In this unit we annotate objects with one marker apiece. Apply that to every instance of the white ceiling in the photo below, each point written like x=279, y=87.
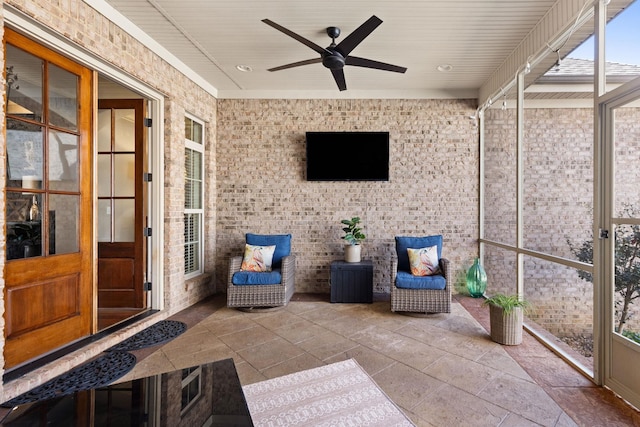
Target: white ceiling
x=212, y=37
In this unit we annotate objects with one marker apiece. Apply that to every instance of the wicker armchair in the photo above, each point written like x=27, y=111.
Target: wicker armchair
x=420, y=300
x=264, y=295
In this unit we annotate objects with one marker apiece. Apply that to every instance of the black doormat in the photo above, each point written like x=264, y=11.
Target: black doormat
x=158, y=333
x=98, y=373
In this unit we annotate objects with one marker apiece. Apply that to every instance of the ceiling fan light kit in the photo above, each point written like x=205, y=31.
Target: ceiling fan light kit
x=336, y=56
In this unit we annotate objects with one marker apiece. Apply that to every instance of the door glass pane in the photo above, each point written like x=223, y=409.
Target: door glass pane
x=24, y=84
x=24, y=221
x=20, y=206
x=124, y=175
x=124, y=223
x=124, y=129
x=104, y=220
x=64, y=223
x=63, y=98
x=104, y=175
x=104, y=130
x=63, y=161
x=24, y=155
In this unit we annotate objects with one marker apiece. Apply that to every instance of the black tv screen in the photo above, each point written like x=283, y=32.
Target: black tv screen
x=347, y=156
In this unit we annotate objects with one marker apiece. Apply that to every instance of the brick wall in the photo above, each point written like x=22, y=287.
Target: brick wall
x=433, y=185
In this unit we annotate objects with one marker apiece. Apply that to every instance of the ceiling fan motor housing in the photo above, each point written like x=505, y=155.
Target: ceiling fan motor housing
x=333, y=61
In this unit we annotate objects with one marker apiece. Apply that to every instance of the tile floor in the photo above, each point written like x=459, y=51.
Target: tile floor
x=441, y=369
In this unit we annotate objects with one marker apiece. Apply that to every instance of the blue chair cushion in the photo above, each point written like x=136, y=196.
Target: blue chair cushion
x=402, y=243
x=406, y=280
x=282, y=242
x=272, y=277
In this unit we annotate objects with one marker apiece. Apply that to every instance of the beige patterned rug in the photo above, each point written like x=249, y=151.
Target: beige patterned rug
x=340, y=394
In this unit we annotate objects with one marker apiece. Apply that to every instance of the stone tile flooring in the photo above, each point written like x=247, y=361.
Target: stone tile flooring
x=441, y=369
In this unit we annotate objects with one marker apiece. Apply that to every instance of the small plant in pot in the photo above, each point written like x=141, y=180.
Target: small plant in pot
x=506, y=315
x=353, y=235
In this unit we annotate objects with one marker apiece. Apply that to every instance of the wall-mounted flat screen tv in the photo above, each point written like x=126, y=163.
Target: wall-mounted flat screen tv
x=347, y=156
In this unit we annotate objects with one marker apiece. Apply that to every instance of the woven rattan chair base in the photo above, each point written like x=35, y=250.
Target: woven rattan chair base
x=421, y=300
x=254, y=297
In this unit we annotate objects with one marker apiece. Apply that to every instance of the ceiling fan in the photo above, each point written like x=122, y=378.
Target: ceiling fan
x=335, y=57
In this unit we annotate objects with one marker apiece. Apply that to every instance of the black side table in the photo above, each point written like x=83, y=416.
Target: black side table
x=352, y=281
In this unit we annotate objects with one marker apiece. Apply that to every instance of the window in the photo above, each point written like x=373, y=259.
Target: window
x=193, y=196
x=191, y=387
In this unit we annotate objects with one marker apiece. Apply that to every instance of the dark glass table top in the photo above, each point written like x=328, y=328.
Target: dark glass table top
x=204, y=395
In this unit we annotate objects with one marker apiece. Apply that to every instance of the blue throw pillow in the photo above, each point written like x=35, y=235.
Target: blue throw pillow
x=282, y=242
x=405, y=242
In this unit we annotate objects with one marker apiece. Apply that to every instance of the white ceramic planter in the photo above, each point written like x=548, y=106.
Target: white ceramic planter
x=352, y=253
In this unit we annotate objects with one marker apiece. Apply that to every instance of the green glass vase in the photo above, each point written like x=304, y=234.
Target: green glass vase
x=476, y=279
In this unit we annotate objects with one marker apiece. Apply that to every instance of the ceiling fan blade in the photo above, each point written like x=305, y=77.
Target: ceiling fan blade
x=368, y=63
x=301, y=39
x=359, y=34
x=296, y=64
x=338, y=76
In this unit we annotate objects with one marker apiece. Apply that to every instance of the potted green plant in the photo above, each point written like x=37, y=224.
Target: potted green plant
x=353, y=235
x=506, y=314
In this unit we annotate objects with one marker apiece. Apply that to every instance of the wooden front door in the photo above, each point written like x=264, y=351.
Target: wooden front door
x=48, y=204
x=121, y=239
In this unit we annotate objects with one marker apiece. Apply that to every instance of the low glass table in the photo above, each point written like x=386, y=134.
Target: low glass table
x=204, y=395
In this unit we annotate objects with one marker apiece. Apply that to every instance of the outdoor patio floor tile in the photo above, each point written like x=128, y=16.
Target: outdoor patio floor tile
x=370, y=360
x=441, y=369
x=295, y=364
x=327, y=345
x=185, y=358
x=270, y=353
x=407, y=386
x=498, y=359
x=522, y=397
x=465, y=374
x=247, y=338
x=451, y=406
x=300, y=331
